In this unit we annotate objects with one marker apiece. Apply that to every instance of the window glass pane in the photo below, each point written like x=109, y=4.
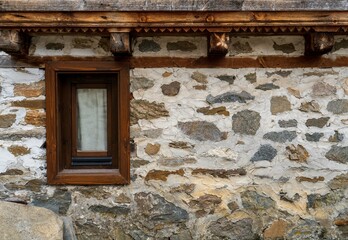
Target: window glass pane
x=91, y=119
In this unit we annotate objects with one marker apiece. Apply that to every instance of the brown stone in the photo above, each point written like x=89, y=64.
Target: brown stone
x=162, y=175
x=297, y=153
x=280, y=104
x=17, y=150
x=312, y=180
x=339, y=182
x=323, y=89
x=221, y=173
x=207, y=203
x=12, y=172
x=30, y=90
x=33, y=104
x=317, y=122
x=181, y=145
x=311, y=106
x=142, y=109
x=186, y=188
x=218, y=110
x=171, y=89
x=34, y=185
x=123, y=198
x=200, y=87
x=7, y=120
x=276, y=231
x=294, y=92
x=36, y=118
x=152, y=149
x=199, y=77
x=167, y=74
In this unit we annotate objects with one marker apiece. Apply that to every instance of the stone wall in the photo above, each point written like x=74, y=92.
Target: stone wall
x=216, y=153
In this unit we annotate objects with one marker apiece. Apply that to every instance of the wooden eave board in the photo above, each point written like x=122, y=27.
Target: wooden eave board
x=173, y=5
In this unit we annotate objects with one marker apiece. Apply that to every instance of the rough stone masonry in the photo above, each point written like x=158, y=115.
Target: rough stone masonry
x=218, y=153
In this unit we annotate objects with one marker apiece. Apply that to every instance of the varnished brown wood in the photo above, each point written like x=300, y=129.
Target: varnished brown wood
x=317, y=44
x=172, y=22
x=218, y=44
x=202, y=62
x=58, y=170
x=120, y=43
x=13, y=42
x=172, y=5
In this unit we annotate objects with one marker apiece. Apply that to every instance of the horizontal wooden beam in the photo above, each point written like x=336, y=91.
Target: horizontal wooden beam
x=173, y=22
x=203, y=62
x=172, y=5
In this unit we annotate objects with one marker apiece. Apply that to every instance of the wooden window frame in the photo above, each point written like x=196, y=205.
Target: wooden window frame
x=57, y=172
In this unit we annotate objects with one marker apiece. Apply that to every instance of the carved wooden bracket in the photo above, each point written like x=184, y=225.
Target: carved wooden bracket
x=218, y=44
x=14, y=42
x=318, y=43
x=120, y=43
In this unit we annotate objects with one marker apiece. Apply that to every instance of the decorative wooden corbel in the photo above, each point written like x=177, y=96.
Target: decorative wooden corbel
x=318, y=43
x=218, y=44
x=14, y=42
x=120, y=42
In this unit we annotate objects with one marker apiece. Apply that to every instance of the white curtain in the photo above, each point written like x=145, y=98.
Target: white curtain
x=92, y=119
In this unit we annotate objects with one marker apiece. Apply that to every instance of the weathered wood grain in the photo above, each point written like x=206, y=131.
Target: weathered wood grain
x=13, y=42
x=172, y=5
x=120, y=44
x=218, y=44
x=202, y=62
x=318, y=43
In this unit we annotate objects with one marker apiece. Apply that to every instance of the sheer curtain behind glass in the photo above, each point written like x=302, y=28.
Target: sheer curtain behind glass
x=91, y=119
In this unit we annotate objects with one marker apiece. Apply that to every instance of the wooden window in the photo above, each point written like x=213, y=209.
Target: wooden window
x=87, y=106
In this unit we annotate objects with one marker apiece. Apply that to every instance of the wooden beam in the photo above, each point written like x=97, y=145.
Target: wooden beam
x=120, y=43
x=202, y=62
x=172, y=5
x=317, y=44
x=13, y=42
x=173, y=22
x=218, y=44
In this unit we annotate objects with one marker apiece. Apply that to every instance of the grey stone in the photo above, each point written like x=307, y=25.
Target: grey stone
x=254, y=201
x=82, y=43
x=279, y=73
x=230, y=97
x=183, y=235
x=280, y=104
x=171, y=89
x=221, y=173
x=199, y=77
x=322, y=89
x=55, y=46
x=339, y=182
x=115, y=210
x=337, y=137
x=251, y=77
x=317, y=122
x=338, y=154
x=227, y=78
x=142, y=109
x=304, y=230
x=19, y=221
x=281, y=137
x=315, y=137
x=285, y=48
x=311, y=106
x=267, y=86
x=69, y=231
x=246, y=122
x=184, y=46
x=224, y=228
x=242, y=47
x=339, y=45
x=338, y=106
x=141, y=83
x=287, y=123
x=155, y=208
x=152, y=133
x=21, y=134
x=7, y=120
x=201, y=131
x=149, y=46
x=58, y=203
x=266, y=152
x=319, y=201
